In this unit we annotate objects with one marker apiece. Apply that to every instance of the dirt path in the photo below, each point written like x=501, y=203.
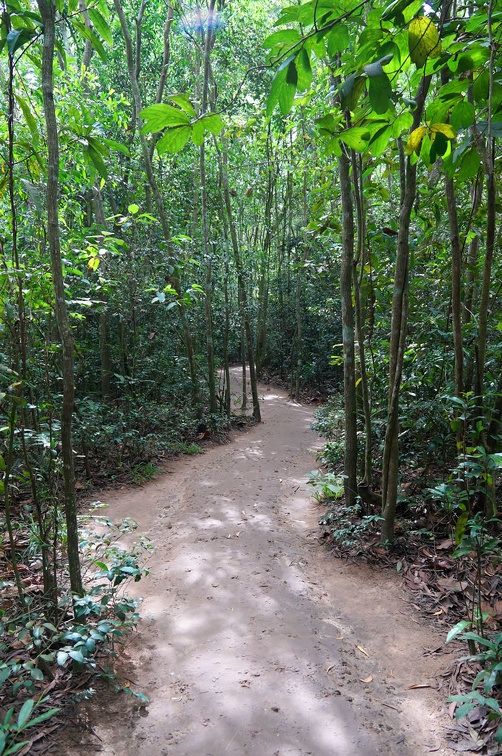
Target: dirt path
x=254, y=640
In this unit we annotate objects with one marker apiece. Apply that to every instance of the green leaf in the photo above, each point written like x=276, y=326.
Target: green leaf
x=351, y=90
x=423, y=40
x=77, y=656
x=94, y=151
x=457, y=629
x=375, y=69
x=62, y=658
x=380, y=140
x=92, y=37
x=25, y=713
x=401, y=124
x=380, y=91
x=101, y=25
x=283, y=38
x=198, y=132
x=28, y=117
x=132, y=210
x=338, y=39
x=16, y=38
x=283, y=87
x=43, y=717
x=461, y=526
x=184, y=103
x=357, y=138
x=174, y=140
x=481, y=87
x=158, y=117
x=304, y=70
x=212, y=122
x=113, y=145
x=462, y=115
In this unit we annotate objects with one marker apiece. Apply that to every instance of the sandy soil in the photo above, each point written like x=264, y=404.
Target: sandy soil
x=254, y=639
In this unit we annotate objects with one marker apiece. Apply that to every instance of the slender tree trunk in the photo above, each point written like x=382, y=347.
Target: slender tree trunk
x=209, y=41
x=399, y=321
x=241, y=284
x=349, y=364
x=47, y=11
x=359, y=314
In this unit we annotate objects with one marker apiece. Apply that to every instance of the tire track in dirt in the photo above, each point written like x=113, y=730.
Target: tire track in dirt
x=254, y=640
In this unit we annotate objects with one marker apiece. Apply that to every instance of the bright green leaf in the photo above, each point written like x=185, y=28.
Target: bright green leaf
x=212, y=122
x=160, y=116
x=198, y=132
x=357, y=138
x=304, y=70
x=338, y=39
x=284, y=38
x=184, y=103
x=101, y=25
x=174, y=139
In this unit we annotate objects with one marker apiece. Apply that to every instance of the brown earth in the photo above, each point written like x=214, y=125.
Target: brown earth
x=254, y=639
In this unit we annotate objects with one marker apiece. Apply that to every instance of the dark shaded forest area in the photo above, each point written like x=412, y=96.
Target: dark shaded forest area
x=310, y=189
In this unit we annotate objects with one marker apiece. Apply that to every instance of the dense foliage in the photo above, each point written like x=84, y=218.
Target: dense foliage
x=310, y=189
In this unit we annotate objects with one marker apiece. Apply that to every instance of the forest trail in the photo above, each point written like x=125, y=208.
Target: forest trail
x=254, y=640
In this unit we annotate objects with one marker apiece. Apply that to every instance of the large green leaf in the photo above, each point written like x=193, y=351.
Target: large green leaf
x=101, y=25
x=380, y=91
x=92, y=37
x=212, y=122
x=113, y=145
x=158, y=117
x=338, y=39
x=16, y=38
x=183, y=101
x=304, y=70
x=357, y=138
x=174, y=139
x=283, y=38
x=351, y=90
x=283, y=88
x=380, y=140
x=28, y=117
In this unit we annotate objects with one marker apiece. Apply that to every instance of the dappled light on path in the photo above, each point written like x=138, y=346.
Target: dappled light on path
x=248, y=643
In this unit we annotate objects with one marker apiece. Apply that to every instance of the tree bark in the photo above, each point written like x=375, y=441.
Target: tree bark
x=399, y=321
x=47, y=11
x=348, y=337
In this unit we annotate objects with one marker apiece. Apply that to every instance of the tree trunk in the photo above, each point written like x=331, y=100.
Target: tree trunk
x=399, y=319
x=349, y=365
x=47, y=12
x=241, y=285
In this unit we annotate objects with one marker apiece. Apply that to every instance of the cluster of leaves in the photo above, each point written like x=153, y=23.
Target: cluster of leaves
x=39, y=653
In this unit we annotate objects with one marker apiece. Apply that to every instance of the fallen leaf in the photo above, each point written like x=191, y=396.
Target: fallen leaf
x=361, y=649
x=330, y=668
x=418, y=685
x=238, y=534
x=367, y=679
